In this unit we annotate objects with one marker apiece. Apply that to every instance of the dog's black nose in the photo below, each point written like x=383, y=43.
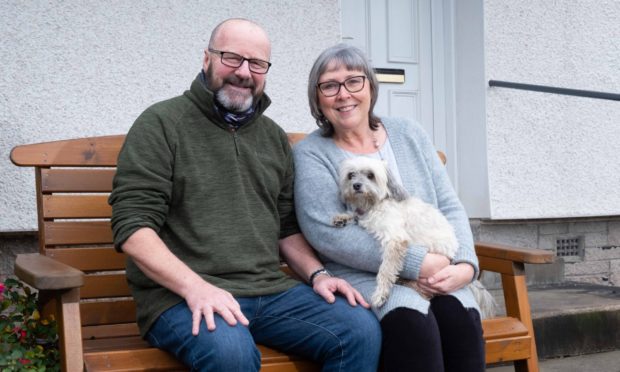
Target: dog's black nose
x=357, y=186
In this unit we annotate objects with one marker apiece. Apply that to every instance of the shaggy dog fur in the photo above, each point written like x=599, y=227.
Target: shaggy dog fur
x=381, y=206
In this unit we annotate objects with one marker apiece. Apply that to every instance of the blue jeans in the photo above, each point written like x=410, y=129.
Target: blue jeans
x=298, y=321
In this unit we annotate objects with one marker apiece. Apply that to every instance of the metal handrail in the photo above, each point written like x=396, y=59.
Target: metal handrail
x=556, y=90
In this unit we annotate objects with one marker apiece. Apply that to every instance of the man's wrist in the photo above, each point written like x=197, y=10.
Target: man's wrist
x=315, y=274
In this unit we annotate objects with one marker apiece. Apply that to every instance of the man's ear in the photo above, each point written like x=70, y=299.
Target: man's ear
x=206, y=60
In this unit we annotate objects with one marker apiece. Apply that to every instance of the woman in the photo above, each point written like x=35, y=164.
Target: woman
x=441, y=334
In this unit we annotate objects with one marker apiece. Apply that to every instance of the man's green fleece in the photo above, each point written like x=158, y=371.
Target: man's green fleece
x=219, y=199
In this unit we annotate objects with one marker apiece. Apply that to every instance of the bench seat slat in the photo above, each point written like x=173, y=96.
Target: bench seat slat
x=141, y=357
x=297, y=365
x=501, y=350
x=502, y=327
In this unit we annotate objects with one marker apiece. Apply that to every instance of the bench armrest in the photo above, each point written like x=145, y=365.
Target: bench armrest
x=515, y=254
x=61, y=284
x=45, y=273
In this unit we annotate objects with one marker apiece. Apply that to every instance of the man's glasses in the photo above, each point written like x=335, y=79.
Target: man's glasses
x=231, y=59
x=352, y=84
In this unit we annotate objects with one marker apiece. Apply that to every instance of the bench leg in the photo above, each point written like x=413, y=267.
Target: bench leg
x=65, y=305
x=518, y=306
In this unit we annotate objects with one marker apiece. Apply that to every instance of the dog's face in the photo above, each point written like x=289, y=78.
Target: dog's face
x=363, y=182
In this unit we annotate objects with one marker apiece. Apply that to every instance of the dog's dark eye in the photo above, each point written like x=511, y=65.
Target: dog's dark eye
x=350, y=175
x=371, y=176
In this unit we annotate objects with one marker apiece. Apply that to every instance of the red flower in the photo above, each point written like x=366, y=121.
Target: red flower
x=21, y=334
x=24, y=361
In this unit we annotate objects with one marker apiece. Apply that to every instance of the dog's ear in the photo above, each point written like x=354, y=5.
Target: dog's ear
x=397, y=192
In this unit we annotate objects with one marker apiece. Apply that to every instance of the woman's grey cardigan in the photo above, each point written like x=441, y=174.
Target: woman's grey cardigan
x=350, y=252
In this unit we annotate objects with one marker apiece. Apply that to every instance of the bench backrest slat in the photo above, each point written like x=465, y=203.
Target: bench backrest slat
x=101, y=313
x=80, y=152
x=107, y=331
x=89, y=259
x=78, y=232
x=77, y=180
x=76, y=206
x=105, y=286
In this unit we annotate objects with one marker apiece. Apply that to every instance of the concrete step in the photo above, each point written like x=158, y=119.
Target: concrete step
x=573, y=318
x=608, y=361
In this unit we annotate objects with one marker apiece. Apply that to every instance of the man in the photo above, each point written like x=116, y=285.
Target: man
x=202, y=201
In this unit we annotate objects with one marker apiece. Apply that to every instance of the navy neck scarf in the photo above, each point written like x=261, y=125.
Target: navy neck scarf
x=234, y=119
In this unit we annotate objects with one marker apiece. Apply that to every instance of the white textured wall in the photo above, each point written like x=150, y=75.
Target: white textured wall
x=552, y=155
x=85, y=68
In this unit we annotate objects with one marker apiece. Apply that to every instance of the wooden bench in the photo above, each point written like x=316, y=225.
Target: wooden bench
x=82, y=282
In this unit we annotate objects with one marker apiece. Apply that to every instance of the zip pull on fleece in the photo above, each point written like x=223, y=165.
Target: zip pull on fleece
x=235, y=137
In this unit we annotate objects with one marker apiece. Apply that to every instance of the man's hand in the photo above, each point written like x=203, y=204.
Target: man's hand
x=448, y=279
x=156, y=261
x=326, y=286
x=205, y=300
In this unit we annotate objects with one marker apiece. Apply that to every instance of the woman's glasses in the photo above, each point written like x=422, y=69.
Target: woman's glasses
x=352, y=85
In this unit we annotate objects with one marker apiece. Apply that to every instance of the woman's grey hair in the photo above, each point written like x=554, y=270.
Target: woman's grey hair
x=351, y=58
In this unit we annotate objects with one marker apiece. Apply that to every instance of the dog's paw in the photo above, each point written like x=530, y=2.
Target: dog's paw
x=378, y=299
x=341, y=220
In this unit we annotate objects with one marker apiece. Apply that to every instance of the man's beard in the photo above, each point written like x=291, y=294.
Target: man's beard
x=233, y=101
x=230, y=98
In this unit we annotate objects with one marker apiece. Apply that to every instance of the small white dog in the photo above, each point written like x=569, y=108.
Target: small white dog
x=381, y=206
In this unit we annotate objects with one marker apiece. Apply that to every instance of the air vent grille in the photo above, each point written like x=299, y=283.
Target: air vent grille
x=569, y=247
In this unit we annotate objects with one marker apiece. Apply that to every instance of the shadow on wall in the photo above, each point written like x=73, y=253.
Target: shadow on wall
x=12, y=244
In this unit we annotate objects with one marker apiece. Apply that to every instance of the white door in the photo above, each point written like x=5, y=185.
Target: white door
x=396, y=36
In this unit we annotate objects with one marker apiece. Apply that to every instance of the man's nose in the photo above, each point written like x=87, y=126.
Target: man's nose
x=244, y=69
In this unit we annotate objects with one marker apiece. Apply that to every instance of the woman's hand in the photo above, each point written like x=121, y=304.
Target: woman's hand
x=328, y=286
x=447, y=280
x=432, y=264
